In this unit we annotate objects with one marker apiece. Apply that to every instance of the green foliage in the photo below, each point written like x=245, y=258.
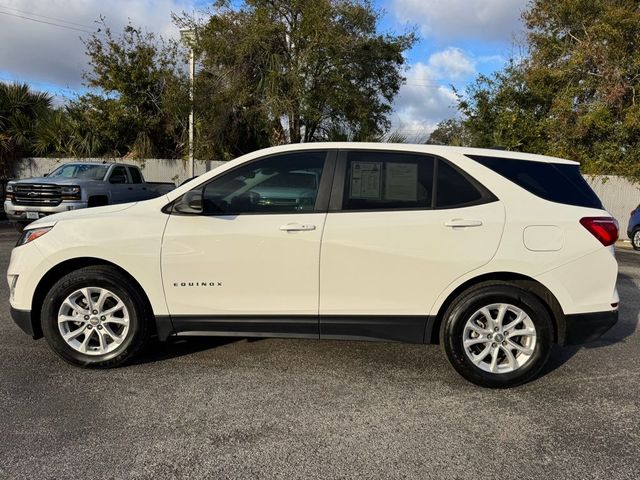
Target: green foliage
x=451, y=132
x=277, y=71
x=575, y=94
x=139, y=103
x=21, y=112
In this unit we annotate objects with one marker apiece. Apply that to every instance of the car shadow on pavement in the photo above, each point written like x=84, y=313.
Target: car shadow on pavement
x=626, y=327
x=157, y=351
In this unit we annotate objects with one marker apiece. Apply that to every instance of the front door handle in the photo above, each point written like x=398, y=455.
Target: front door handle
x=462, y=222
x=297, y=227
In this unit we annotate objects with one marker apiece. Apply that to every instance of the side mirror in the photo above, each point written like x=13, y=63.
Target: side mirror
x=46, y=175
x=191, y=202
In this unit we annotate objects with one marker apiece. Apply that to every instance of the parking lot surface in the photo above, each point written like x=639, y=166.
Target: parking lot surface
x=225, y=408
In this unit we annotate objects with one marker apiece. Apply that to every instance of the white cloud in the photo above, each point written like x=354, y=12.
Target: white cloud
x=422, y=103
x=452, y=64
x=462, y=19
x=427, y=98
x=46, y=54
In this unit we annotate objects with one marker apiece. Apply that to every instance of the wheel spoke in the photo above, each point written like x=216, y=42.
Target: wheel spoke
x=73, y=305
x=87, y=296
x=75, y=333
x=511, y=359
x=104, y=294
x=487, y=314
x=478, y=329
x=482, y=355
x=117, y=320
x=522, y=333
x=116, y=338
x=515, y=322
x=112, y=310
x=474, y=341
x=520, y=348
x=102, y=339
x=70, y=318
x=494, y=359
x=85, y=342
x=500, y=317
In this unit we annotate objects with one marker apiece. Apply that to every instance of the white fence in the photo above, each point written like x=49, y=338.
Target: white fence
x=618, y=194
x=153, y=169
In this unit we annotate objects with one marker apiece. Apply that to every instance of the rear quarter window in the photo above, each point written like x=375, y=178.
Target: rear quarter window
x=556, y=182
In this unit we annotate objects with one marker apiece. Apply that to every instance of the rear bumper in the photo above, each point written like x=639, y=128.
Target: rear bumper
x=23, y=320
x=587, y=327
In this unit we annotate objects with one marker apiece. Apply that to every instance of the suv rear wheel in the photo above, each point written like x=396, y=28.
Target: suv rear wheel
x=91, y=317
x=497, y=335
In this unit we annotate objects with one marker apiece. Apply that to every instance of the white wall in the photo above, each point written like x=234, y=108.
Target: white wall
x=619, y=195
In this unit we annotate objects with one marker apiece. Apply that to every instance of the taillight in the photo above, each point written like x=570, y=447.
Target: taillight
x=604, y=229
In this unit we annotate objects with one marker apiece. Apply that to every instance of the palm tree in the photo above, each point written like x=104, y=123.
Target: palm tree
x=20, y=111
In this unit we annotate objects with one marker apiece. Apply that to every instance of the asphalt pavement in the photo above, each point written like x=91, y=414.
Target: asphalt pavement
x=222, y=408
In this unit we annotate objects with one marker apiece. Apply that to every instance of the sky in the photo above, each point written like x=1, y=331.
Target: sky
x=458, y=40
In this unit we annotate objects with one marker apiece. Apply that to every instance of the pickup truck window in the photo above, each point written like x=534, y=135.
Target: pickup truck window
x=118, y=175
x=71, y=170
x=136, y=177
x=280, y=184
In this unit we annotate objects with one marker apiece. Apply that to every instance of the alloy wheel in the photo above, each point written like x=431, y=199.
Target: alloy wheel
x=93, y=321
x=499, y=338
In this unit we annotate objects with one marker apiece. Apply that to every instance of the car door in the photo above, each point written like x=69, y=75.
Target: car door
x=400, y=228
x=120, y=185
x=241, y=252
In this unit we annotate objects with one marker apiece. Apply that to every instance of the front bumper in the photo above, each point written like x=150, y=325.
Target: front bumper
x=587, y=327
x=24, y=321
x=18, y=213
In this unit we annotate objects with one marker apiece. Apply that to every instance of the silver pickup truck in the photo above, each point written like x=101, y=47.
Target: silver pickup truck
x=77, y=185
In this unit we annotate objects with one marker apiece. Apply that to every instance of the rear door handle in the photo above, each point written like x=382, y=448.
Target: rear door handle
x=296, y=227
x=461, y=222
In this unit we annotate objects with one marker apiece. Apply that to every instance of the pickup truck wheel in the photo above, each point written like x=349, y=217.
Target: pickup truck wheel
x=497, y=335
x=92, y=318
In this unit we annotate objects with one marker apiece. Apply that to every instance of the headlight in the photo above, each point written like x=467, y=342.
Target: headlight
x=70, y=192
x=31, y=234
x=9, y=189
x=8, y=192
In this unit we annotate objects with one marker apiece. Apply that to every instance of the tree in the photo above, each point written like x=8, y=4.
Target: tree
x=277, y=71
x=450, y=132
x=575, y=94
x=139, y=103
x=21, y=110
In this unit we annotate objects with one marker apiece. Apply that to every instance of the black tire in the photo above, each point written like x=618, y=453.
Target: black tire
x=109, y=278
x=97, y=201
x=481, y=295
x=635, y=239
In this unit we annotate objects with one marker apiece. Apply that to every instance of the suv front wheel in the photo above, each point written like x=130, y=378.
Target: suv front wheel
x=497, y=335
x=92, y=317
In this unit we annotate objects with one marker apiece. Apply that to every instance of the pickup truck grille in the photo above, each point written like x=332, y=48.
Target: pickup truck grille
x=36, y=195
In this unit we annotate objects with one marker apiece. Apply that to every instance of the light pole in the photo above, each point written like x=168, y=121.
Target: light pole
x=188, y=36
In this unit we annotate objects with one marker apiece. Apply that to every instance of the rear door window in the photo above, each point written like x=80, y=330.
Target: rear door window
x=387, y=180
x=136, y=177
x=556, y=182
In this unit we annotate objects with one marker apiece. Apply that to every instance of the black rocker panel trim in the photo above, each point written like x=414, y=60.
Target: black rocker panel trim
x=397, y=328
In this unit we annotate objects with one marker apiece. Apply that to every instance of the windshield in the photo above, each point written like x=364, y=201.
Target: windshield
x=74, y=170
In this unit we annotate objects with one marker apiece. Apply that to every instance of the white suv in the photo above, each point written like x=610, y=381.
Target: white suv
x=495, y=255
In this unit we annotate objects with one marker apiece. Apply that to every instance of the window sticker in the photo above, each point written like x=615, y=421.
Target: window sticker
x=365, y=180
x=401, y=182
